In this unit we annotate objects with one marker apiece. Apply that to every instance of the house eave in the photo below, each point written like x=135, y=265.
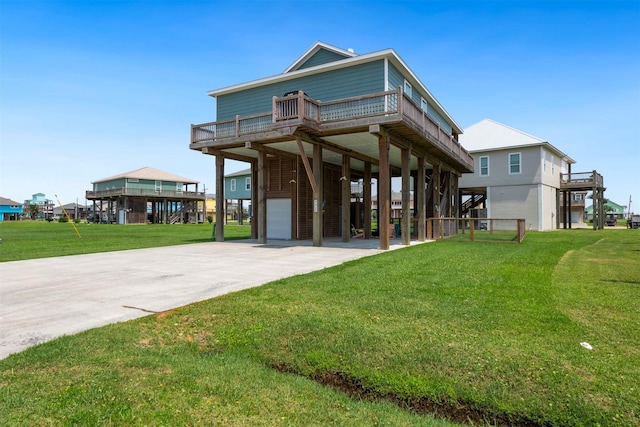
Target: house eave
x=516, y=147
x=313, y=50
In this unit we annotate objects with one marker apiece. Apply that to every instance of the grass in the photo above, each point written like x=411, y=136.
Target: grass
x=475, y=331
x=41, y=239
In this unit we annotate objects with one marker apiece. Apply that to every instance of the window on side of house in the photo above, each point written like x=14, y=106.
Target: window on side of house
x=232, y=184
x=424, y=104
x=178, y=187
x=553, y=166
x=247, y=183
x=408, y=89
x=514, y=163
x=158, y=186
x=484, y=166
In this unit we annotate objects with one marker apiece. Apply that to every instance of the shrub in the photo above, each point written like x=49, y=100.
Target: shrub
x=63, y=219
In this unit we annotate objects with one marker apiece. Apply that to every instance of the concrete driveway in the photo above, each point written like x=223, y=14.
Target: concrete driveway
x=46, y=298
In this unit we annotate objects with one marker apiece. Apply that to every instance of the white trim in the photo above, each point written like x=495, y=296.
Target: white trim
x=232, y=184
x=407, y=84
x=519, y=163
x=480, y=166
x=386, y=75
x=386, y=83
x=488, y=202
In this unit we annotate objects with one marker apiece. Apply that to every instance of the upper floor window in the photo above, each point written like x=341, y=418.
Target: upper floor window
x=514, y=163
x=247, y=183
x=178, y=187
x=408, y=89
x=232, y=184
x=578, y=196
x=424, y=105
x=484, y=166
x=553, y=167
x=158, y=185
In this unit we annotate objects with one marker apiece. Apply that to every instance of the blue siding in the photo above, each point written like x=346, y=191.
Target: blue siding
x=144, y=184
x=241, y=191
x=396, y=79
x=335, y=84
x=116, y=183
x=323, y=56
x=9, y=210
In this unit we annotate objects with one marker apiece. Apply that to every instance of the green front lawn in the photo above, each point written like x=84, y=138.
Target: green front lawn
x=473, y=331
x=41, y=239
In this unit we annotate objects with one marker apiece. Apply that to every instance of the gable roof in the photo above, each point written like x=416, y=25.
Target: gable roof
x=239, y=173
x=8, y=202
x=150, y=174
x=488, y=135
x=315, y=48
x=294, y=71
x=617, y=209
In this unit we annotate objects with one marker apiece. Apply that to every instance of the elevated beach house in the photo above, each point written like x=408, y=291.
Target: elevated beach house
x=334, y=117
x=237, y=190
x=147, y=195
x=10, y=210
x=518, y=175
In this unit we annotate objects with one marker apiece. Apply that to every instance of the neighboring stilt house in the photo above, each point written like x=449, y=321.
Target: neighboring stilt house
x=332, y=118
x=146, y=195
x=522, y=176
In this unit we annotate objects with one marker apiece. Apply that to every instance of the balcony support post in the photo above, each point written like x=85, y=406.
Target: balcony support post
x=366, y=198
x=406, y=196
x=317, y=195
x=384, y=196
x=420, y=199
x=262, y=198
x=220, y=213
x=346, y=197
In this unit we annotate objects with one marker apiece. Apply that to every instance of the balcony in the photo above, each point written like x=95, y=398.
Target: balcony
x=139, y=192
x=584, y=181
x=392, y=109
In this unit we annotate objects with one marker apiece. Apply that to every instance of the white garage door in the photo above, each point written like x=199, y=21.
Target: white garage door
x=279, y=219
x=575, y=217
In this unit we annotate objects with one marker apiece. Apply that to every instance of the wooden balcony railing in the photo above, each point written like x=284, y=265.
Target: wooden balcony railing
x=302, y=108
x=577, y=180
x=123, y=191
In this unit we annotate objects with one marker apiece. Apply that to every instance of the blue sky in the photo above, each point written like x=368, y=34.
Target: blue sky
x=89, y=89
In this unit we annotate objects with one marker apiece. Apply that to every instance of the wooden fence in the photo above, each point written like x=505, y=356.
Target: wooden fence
x=477, y=229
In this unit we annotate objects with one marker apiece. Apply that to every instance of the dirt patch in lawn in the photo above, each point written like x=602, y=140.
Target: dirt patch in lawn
x=457, y=412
